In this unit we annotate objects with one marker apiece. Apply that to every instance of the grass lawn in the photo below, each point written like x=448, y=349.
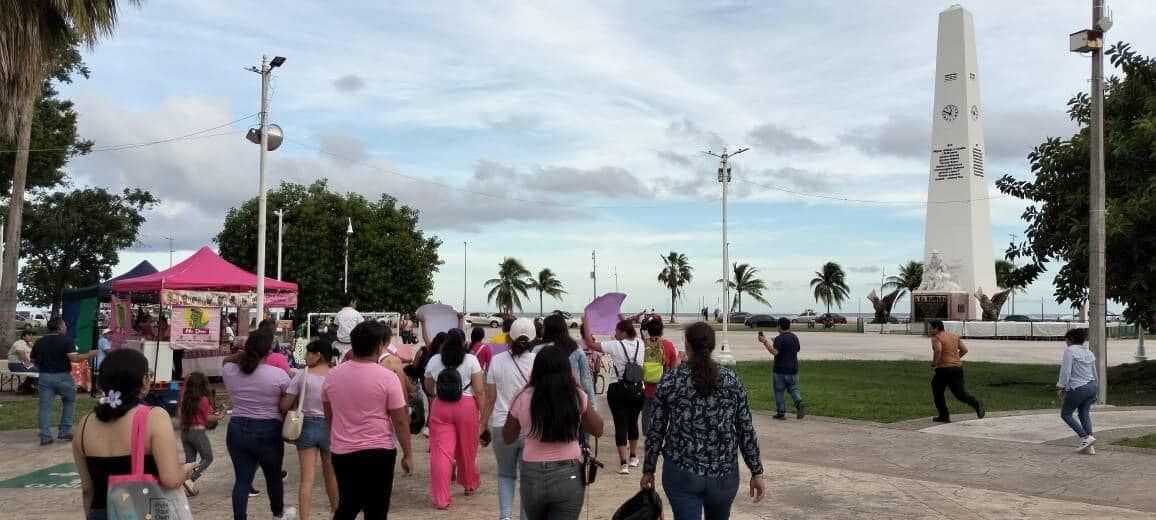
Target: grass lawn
x=21, y=414
x=890, y=391
x=1147, y=441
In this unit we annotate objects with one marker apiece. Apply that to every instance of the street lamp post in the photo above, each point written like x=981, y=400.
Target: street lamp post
x=465, y=273
x=266, y=69
x=594, y=272
x=170, y=239
x=724, y=176
x=280, y=231
x=348, y=233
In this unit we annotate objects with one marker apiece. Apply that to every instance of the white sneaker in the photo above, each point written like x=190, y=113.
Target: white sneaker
x=633, y=461
x=624, y=470
x=1086, y=443
x=191, y=488
x=290, y=513
x=1090, y=451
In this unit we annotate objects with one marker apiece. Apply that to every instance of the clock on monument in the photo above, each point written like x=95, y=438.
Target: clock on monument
x=950, y=112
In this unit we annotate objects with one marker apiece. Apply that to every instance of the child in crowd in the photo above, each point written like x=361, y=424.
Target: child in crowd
x=196, y=414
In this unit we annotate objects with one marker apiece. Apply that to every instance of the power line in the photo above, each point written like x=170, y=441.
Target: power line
x=128, y=146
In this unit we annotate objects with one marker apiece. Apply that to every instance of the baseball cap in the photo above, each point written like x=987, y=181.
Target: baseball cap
x=523, y=327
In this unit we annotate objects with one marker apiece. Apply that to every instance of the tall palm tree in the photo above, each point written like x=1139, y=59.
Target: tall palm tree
x=1004, y=276
x=546, y=283
x=512, y=281
x=676, y=272
x=31, y=33
x=909, y=279
x=743, y=281
x=830, y=285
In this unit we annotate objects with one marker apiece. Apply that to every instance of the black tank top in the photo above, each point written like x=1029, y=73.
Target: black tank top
x=100, y=468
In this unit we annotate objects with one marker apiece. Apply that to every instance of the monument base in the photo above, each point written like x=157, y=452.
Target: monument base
x=940, y=305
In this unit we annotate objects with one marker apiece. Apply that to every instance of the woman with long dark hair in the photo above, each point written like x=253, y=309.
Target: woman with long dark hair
x=479, y=348
x=509, y=374
x=625, y=394
x=555, y=331
x=549, y=412
x=254, y=434
x=454, y=378
x=104, y=446
x=701, y=421
x=314, y=438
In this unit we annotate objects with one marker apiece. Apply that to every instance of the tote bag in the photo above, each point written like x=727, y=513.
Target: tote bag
x=295, y=419
x=139, y=495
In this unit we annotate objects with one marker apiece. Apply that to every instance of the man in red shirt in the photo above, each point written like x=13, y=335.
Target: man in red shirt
x=669, y=361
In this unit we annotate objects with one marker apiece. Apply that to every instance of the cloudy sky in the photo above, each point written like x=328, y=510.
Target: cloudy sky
x=545, y=130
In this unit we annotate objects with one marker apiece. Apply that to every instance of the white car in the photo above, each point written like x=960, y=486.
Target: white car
x=807, y=316
x=483, y=319
x=1110, y=317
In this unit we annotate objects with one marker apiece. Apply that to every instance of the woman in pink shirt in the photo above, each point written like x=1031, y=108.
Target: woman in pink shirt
x=550, y=411
x=365, y=408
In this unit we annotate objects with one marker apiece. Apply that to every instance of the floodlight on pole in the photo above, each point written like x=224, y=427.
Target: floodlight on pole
x=724, y=176
x=264, y=137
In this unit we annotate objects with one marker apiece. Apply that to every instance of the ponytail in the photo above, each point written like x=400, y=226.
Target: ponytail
x=257, y=347
x=704, y=372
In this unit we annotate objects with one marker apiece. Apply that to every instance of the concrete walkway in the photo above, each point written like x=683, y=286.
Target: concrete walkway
x=1040, y=428
x=817, y=468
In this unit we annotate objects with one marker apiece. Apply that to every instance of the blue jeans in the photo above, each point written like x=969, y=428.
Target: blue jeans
x=552, y=490
x=508, y=457
x=52, y=385
x=786, y=383
x=691, y=495
x=1079, y=399
x=254, y=443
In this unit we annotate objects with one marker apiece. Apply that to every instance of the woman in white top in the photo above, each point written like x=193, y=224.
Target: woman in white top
x=1077, y=387
x=314, y=438
x=623, y=396
x=509, y=373
x=454, y=378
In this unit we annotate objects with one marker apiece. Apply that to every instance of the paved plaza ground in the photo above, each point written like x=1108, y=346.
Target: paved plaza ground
x=1010, y=465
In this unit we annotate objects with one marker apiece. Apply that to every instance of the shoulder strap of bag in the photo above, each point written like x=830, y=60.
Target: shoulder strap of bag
x=304, y=383
x=140, y=423
x=520, y=372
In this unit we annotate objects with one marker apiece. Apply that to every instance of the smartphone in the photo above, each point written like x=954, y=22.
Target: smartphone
x=760, y=333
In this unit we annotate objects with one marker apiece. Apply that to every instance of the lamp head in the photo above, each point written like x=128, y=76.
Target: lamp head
x=277, y=62
x=276, y=137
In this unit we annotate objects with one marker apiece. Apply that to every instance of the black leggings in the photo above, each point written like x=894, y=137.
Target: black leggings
x=625, y=409
x=364, y=483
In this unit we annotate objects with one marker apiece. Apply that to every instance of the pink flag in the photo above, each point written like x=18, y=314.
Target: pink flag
x=602, y=313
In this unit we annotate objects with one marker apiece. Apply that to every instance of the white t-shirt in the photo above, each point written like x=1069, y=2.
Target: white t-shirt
x=621, y=352
x=346, y=319
x=467, y=369
x=509, y=375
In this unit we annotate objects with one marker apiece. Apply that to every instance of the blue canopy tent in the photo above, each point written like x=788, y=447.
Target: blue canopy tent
x=80, y=306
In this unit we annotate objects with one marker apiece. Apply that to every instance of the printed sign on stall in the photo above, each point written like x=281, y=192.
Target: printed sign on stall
x=195, y=328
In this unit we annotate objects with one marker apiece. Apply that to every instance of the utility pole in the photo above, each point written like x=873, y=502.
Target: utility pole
x=465, y=273
x=280, y=232
x=265, y=71
x=348, y=233
x=594, y=273
x=724, y=176
x=170, y=239
x=615, y=278
x=1092, y=40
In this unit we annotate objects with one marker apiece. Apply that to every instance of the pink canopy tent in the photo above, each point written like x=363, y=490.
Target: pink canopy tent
x=206, y=271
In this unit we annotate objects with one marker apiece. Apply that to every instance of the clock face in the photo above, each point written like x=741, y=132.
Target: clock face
x=974, y=113
x=950, y=112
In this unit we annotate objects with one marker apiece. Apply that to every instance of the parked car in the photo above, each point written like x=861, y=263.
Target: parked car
x=807, y=316
x=735, y=317
x=483, y=319
x=19, y=323
x=1018, y=317
x=830, y=319
x=1076, y=317
x=761, y=320
x=38, y=319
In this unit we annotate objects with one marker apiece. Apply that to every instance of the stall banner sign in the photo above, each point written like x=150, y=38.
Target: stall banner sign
x=226, y=299
x=195, y=328
x=120, y=315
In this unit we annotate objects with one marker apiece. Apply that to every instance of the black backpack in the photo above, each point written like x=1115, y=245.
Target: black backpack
x=449, y=385
x=631, y=376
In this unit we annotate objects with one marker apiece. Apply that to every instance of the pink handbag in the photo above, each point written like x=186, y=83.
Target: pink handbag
x=138, y=495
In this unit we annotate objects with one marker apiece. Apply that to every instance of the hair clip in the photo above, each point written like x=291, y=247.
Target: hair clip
x=112, y=399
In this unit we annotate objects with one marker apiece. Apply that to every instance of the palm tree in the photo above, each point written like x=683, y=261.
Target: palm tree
x=675, y=274
x=512, y=281
x=744, y=281
x=909, y=279
x=546, y=283
x=1005, y=272
x=830, y=285
x=31, y=33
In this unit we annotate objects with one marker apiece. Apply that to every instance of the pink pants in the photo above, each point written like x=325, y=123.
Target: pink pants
x=453, y=438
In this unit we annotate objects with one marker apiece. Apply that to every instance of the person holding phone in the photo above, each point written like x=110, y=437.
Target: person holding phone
x=785, y=349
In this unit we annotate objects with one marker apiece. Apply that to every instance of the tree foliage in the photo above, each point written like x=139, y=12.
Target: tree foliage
x=676, y=272
x=511, y=285
x=830, y=285
x=547, y=283
x=391, y=262
x=71, y=239
x=745, y=281
x=1057, y=215
x=909, y=278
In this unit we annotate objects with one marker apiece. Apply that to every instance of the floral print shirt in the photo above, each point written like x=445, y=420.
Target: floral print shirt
x=702, y=435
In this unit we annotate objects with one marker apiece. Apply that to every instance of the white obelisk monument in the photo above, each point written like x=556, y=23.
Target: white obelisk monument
x=958, y=212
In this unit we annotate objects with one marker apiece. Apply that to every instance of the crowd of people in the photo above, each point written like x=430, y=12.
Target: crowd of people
x=529, y=397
